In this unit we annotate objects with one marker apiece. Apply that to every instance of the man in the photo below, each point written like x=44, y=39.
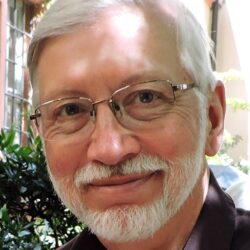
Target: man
x=128, y=107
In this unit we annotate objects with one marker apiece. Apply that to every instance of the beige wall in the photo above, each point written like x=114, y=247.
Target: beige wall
x=230, y=57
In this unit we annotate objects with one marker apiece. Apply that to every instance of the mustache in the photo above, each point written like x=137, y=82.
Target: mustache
x=142, y=163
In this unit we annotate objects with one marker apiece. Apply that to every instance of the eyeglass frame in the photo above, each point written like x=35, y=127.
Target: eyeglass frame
x=175, y=87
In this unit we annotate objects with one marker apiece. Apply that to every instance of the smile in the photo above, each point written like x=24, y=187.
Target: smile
x=127, y=180
x=118, y=190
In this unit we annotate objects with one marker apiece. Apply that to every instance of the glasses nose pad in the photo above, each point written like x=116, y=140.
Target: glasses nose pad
x=93, y=113
x=116, y=109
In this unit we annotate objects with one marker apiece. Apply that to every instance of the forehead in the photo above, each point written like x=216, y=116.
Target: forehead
x=123, y=42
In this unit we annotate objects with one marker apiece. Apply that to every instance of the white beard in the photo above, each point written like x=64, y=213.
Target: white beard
x=133, y=222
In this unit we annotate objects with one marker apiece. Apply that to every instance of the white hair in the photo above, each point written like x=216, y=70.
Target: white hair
x=193, y=44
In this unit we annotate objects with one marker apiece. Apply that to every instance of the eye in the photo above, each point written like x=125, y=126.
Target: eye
x=68, y=110
x=146, y=97
x=71, y=109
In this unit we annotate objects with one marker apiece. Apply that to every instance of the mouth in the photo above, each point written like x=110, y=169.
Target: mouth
x=120, y=180
x=126, y=189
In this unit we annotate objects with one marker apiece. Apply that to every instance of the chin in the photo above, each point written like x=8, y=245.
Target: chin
x=133, y=222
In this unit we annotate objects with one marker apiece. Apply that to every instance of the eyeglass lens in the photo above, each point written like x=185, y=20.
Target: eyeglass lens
x=134, y=106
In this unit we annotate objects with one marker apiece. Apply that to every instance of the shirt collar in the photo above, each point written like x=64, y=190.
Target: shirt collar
x=215, y=225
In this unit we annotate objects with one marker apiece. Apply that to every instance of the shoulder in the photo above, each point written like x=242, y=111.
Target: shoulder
x=242, y=222
x=70, y=244
x=241, y=237
x=240, y=193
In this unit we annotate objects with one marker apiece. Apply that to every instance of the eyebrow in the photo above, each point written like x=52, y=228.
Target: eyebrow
x=141, y=77
x=64, y=93
x=130, y=80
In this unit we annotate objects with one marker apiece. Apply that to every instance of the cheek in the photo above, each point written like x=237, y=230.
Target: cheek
x=176, y=137
x=64, y=160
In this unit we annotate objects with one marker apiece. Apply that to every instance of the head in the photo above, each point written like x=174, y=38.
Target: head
x=193, y=45
x=122, y=173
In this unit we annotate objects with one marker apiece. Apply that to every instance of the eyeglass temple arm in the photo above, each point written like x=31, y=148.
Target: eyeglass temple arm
x=183, y=86
x=34, y=116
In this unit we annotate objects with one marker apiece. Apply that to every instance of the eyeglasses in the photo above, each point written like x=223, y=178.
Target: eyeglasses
x=135, y=106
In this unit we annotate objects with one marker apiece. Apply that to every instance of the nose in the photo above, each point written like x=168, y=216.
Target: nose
x=111, y=143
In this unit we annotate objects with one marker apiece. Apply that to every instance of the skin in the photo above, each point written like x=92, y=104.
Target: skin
x=96, y=61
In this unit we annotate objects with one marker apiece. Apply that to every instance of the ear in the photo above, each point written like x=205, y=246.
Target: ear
x=216, y=115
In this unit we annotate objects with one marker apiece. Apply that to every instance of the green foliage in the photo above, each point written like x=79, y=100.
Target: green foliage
x=223, y=156
x=244, y=166
x=238, y=104
x=31, y=215
x=229, y=142
x=230, y=75
x=233, y=75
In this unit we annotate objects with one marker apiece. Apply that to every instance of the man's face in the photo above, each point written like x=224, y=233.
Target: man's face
x=129, y=170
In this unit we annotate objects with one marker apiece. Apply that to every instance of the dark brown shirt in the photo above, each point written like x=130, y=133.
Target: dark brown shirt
x=220, y=226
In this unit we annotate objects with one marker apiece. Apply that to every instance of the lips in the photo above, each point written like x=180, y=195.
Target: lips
x=121, y=180
x=119, y=190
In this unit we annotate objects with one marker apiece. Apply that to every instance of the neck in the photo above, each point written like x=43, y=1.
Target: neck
x=175, y=233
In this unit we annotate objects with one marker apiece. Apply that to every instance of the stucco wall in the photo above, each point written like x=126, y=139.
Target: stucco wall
x=229, y=57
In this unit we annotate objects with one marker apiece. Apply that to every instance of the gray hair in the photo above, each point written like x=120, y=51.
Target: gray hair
x=193, y=44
